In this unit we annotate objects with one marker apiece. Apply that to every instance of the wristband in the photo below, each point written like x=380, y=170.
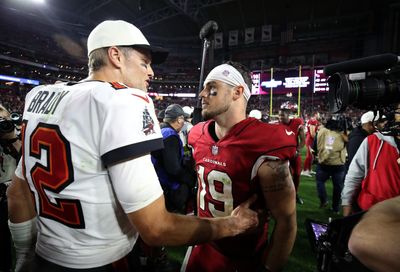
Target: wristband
x=24, y=237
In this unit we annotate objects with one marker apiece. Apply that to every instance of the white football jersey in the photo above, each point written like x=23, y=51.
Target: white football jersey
x=71, y=134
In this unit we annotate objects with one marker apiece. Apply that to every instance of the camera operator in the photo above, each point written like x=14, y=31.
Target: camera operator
x=359, y=133
x=331, y=150
x=10, y=146
x=378, y=250
x=374, y=173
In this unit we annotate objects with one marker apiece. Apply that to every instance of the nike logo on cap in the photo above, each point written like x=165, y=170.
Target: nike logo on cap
x=289, y=132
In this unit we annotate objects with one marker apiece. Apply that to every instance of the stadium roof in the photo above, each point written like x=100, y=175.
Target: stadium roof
x=302, y=31
x=182, y=19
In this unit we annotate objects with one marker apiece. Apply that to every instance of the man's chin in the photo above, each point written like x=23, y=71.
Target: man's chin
x=206, y=115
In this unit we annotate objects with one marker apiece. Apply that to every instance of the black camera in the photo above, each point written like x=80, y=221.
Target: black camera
x=367, y=83
x=8, y=125
x=339, y=122
x=329, y=242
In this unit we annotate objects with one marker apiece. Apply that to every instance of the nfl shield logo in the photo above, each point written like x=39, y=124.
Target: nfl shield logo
x=214, y=150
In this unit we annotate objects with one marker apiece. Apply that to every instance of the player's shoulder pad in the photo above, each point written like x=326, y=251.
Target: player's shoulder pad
x=116, y=89
x=200, y=127
x=282, y=133
x=198, y=130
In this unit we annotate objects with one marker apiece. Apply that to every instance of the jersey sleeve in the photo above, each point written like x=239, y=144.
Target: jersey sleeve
x=298, y=123
x=135, y=183
x=195, y=134
x=128, y=126
x=283, y=143
x=312, y=122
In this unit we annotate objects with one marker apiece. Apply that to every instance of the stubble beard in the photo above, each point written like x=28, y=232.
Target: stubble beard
x=211, y=114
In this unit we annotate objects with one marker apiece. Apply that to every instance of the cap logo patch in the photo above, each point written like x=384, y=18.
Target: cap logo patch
x=226, y=73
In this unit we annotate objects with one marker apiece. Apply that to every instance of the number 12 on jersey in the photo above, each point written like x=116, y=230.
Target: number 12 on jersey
x=55, y=176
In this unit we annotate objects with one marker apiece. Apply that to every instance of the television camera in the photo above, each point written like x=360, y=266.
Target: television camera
x=329, y=242
x=7, y=125
x=371, y=83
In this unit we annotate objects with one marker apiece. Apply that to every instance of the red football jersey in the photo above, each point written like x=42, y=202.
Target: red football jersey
x=311, y=122
x=227, y=171
x=294, y=125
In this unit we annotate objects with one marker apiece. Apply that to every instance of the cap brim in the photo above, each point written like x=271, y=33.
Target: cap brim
x=158, y=54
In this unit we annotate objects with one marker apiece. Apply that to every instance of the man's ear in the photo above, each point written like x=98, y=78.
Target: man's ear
x=114, y=56
x=238, y=92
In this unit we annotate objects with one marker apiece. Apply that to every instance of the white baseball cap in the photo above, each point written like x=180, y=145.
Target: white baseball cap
x=256, y=114
x=369, y=116
x=121, y=33
x=188, y=110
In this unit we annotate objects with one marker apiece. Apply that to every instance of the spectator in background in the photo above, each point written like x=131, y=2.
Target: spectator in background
x=312, y=128
x=374, y=172
x=381, y=123
x=359, y=133
x=176, y=180
x=187, y=126
x=160, y=116
x=331, y=148
x=296, y=125
x=10, y=146
x=255, y=114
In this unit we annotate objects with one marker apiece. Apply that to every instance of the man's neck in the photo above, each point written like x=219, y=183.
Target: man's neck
x=224, y=125
x=175, y=126
x=106, y=75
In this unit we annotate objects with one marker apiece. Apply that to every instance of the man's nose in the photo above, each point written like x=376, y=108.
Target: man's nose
x=202, y=93
x=150, y=71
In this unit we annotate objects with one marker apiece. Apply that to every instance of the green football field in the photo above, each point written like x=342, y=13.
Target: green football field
x=302, y=257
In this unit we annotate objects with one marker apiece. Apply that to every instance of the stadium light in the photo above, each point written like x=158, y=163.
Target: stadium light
x=38, y=1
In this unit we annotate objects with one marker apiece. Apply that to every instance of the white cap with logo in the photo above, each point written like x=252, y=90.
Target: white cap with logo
x=121, y=33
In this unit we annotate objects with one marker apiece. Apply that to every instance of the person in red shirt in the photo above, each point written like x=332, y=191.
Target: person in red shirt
x=312, y=128
x=296, y=125
x=237, y=157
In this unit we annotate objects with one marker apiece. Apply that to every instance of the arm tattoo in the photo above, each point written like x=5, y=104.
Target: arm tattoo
x=280, y=176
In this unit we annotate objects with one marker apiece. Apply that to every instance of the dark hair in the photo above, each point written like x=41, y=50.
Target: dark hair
x=244, y=71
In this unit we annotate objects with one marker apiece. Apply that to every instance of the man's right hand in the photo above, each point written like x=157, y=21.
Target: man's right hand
x=244, y=218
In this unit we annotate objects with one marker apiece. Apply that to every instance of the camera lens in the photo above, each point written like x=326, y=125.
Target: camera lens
x=6, y=126
x=16, y=118
x=338, y=95
x=360, y=93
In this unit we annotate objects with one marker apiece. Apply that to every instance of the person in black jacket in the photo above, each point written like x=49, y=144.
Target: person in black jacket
x=359, y=133
x=176, y=179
